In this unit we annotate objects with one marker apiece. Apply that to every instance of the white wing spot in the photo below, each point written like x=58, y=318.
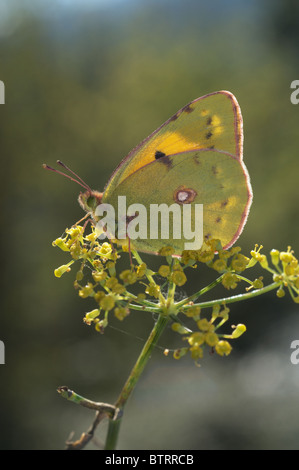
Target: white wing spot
x=182, y=196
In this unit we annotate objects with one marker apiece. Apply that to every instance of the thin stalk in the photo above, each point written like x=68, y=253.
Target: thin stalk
x=237, y=298
x=204, y=290
x=114, y=424
x=149, y=276
x=171, y=292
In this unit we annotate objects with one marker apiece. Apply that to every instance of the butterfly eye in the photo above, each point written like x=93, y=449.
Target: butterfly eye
x=92, y=203
x=89, y=200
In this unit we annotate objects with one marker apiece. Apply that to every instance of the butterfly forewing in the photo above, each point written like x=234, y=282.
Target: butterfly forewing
x=213, y=121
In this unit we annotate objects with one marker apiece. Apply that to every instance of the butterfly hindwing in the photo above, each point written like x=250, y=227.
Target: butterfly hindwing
x=218, y=180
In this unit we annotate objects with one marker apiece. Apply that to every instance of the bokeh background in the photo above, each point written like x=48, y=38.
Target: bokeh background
x=85, y=82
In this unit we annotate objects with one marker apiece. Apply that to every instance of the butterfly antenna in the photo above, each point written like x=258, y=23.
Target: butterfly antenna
x=81, y=183
x=73, y=173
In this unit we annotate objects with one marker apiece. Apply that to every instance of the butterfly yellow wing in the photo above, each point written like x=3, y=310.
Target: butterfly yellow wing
x=213, y=121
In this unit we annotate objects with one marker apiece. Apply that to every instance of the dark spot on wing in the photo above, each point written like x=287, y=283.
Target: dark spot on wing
x=218, y=220
x=208, y=236
x=174, y=118
x=214, y=170
x=209, y=135
x=224, y=203
x=211, y=147
x=195, y=158
x=209, y=120
x=166, y=160
x=187, y=109
x=159, y=154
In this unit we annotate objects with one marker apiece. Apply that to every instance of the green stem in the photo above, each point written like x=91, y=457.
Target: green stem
x=149, y=276
x=171, y=292
x=244, y=279
x=237, y=298
x=200, y=292
x=112, y=434
x=139, y=261
x=142, y=308
x=143, y=302
x=132, y=380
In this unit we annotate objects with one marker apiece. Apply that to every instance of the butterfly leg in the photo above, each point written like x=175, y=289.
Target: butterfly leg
x=129, y=218
x=83, y=218
x=130, y=253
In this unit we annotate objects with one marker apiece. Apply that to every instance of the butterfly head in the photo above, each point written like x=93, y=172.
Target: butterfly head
x=89, y=200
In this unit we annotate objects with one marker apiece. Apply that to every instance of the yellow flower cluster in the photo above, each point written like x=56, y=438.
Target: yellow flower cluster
x=206, y=334
x=108, y=290
x=226, y=262
x=285, y=270
x=97, y=277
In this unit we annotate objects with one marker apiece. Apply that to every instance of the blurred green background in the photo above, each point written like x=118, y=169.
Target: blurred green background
x=85, y=82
